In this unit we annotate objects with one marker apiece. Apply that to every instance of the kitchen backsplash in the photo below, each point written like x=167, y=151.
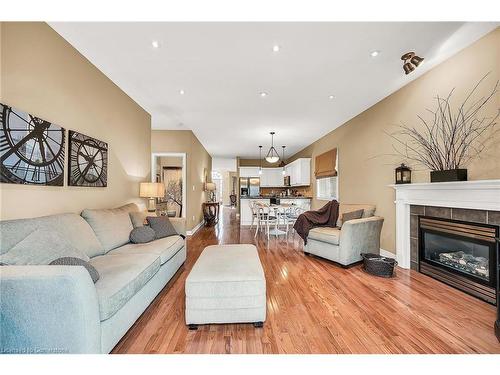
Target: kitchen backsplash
x=305, y=191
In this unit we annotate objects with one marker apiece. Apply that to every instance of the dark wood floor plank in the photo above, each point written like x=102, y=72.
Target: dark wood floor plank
x=315, y=306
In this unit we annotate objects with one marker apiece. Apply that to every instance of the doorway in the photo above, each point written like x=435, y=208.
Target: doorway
x=170, y=169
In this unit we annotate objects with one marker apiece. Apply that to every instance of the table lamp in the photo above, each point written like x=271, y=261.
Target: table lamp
x=210, y=187
x=151, y=190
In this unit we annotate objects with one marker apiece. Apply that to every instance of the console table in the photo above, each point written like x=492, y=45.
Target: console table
x=211, y=212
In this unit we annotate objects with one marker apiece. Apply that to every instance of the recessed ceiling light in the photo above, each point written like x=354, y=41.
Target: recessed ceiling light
x=181, y=92
x=374, y=53
x=331, y=97
x=276, y=48
x=263, y=94
x=155, y=44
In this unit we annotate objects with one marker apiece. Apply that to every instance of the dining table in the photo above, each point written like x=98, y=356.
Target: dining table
x=280, y=212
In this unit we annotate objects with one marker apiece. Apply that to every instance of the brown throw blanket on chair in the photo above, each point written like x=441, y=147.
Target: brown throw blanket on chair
x=326, y=216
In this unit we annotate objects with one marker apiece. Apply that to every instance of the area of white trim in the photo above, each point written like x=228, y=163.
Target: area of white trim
x=195, y=229
x=387, y=254
x=154, y=155
x=480, y=195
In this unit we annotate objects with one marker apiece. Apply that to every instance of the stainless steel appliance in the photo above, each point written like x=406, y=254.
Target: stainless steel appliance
x=286, y=181
x=249, y=186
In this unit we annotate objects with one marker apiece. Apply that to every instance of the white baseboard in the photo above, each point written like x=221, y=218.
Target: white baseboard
x=387, y=254
x=195, y=229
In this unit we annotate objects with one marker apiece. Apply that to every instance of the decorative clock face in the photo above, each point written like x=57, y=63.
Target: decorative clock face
x=31, y=149
x=88, y=161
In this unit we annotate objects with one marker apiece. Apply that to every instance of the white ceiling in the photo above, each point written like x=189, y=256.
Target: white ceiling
x=222, y=67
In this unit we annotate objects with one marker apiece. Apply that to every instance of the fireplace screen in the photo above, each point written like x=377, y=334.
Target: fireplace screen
x=458, y=253
x=465, y=249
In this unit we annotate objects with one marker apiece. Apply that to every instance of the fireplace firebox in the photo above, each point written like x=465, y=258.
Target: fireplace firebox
x=461, y=254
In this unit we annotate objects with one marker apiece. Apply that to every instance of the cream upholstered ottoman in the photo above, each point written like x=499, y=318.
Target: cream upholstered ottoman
x=226, y=285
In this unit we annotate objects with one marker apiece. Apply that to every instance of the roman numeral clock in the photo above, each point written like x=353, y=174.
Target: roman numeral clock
x=88, y=161
x=31, y=149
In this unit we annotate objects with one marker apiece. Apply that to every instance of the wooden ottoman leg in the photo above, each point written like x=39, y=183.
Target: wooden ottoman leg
x=193, y=327
x=258, y=324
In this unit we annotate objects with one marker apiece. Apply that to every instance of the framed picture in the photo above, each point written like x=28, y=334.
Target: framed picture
x=31, y=149
x=88, y=161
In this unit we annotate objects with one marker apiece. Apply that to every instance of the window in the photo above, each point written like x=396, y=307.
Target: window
x=326, y=188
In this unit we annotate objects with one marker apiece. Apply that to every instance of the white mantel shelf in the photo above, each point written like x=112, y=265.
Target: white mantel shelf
x=480, y=195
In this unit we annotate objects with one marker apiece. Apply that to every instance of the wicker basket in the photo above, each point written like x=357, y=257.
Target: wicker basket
x=378, y=265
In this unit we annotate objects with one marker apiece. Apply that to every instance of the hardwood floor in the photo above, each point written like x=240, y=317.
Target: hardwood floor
x=314, y=306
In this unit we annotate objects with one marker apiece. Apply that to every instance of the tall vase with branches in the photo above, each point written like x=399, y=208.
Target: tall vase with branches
x=451, y=136
x=173, y=193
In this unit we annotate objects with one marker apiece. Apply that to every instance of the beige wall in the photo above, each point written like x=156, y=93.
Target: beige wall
x=198, y=160
x=364, y=173
x=44, y=75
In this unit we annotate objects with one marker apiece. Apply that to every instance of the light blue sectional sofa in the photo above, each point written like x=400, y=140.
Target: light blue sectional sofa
x=58, y=309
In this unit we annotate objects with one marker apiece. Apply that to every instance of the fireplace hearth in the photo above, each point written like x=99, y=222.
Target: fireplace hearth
x=461, y=254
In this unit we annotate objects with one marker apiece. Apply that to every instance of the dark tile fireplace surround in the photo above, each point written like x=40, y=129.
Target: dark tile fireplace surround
x=473, y=216
x=475, y=271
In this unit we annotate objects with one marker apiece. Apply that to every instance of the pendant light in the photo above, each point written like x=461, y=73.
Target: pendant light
x=282, y=164
x=260, y=159
x=272, y=155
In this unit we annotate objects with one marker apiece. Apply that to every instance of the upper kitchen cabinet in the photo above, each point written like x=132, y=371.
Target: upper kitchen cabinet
x=299, y=171
x=249, y=172
x=272, y=177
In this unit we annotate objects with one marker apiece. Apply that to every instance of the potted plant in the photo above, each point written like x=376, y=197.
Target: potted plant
x=451, y=137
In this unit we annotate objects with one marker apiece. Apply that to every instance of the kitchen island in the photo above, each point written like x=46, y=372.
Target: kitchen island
x=246, y=212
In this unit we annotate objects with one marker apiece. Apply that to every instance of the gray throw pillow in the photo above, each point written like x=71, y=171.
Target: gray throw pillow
x=71, y=261
x=41, y=247
x=352, y=215
x=162, y=226
x=142, y=235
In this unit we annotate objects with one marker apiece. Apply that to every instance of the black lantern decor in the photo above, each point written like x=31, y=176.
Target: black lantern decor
x=403, y=174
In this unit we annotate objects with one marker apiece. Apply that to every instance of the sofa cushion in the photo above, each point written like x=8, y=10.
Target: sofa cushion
x=138, y=218
x=121, y=277
x=72, y=227
x=162, y=226
x=368, y=210
x=111, y=226
x=325, y=234
x=41, y=247
x=72, y=261
x=165, y=248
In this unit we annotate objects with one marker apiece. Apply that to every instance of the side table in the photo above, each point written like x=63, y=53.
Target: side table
x=211, y=213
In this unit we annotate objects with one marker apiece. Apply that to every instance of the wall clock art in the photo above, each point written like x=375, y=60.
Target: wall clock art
x=88, y=161
x=31, y=149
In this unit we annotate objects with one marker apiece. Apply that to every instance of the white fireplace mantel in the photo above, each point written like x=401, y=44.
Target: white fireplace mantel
x=481, y=195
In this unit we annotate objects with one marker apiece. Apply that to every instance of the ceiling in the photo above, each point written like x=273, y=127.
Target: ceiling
x=223, y=67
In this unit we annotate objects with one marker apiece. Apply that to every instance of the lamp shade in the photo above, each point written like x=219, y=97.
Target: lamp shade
x=151, y=190
x=210, y=186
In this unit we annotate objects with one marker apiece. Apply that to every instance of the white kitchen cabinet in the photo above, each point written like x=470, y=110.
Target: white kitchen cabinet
x=264, y=178
x=300, y=172
x=271, y=177
x=249, y=172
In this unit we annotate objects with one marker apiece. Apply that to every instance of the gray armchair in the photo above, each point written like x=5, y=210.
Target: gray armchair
x=345, y=243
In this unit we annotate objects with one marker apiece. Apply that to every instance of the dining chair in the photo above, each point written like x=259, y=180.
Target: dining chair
x=266, y=217
x=254, y=211
x=291, y=215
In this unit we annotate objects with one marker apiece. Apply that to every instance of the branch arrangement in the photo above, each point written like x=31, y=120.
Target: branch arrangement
x=453, y=136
